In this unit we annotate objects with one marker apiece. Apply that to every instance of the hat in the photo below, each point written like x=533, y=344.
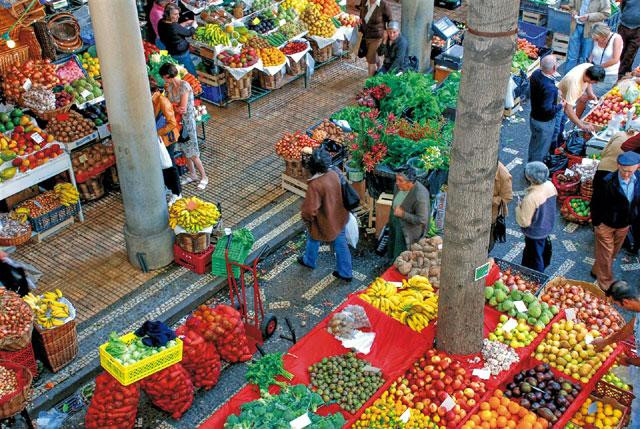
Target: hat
x=393, y=25
x=627, y=159
x=536, y=172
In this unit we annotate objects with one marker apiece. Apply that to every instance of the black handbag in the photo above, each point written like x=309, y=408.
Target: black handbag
x=499, y=229
x=350, y=198
x=362, y=49
x=547, y=252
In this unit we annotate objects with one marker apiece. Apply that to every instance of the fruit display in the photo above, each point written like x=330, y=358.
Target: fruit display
x=18, y=79
x=264, y=371
x=298, y=5
x=67, y=194
x=193, y=215
x=611, y=104
x=605, y=416
x=8, y=381
x=318, y=23
x=149, y=48
x=258, y=5
x=97, y=113
x=520, y=336
x=34, y=160
x=213, y=15
x=385, y=413
x=596, y=313
x=328, y=130
x=262, y=24
x=49, y=311
x=539, y=390
x=514, y=280
x=272, y=57
x=537, y=314
x=130, y=353
x=70, y=126
x=346, y=380
x=423, y=258
x=63, y=98
x=10, y=119
x=41, y=204
x=246, y=58
x=529, y=48
x=567, y=347
x=434, y=378
x=348, y=20
x=16, y=318
x=69, y=71
x=498, y=357
x=90, y=64
x=83, y=90
x=415, y=305
x=224, y=327
x=290, y=146
x=613, y=379
x=39, y=98
x=294, y=47
x=213, y=35
x=580, y=206
x=257, y=42
x=500, y=411
x=289, y=14
x=93, y=158
x=328, y=7
x=293, y=29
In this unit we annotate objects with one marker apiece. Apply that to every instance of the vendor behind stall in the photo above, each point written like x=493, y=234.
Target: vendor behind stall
x=174, y=36
x=394, y=49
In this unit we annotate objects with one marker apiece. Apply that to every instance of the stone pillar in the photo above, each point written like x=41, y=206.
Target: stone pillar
x=417, y=17
x=126, y=89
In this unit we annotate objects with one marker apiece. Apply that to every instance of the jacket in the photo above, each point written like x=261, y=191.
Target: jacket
x=544, y=97
x=598, y=11
x=610, y=206
x=536, y=213
x=395, y=55
x=155, y=15
x=381, y=16
x=169, y=133
x=417, y=213
x=322, y=209
x=174, y=36
x=502, y=192
x=609, y=155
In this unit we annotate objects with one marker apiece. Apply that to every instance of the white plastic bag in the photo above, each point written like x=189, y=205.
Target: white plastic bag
x=351, y=231
x=509, y=99
x=165, y=159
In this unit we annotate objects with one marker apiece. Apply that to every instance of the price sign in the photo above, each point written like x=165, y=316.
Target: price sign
x=439, y=246
x=301, y=422
x=481, y=373
x=592, y=408
x=27, y=85
x=85, y=93
x=481, y=272
x=571, y=314
x=404, y=417
x=59, y=4
x=82, y=158
x=588, y=339
x=283, y=22
x=448, y=403
x=36, y=137
x=509, y=325
x=520, y=306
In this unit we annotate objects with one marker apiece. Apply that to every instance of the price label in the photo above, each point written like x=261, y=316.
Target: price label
x=37, y=203
x=27, y=85
x=36, y=137
x=370, y=368
x=520, y=306
x=439, y=246
x=481, y=373
x=509, y=325
x=82, y=158
x=569, y=172
x=404, y=417
x=396, y=284
x=588, y=339
x=301, y=422
x=85, y=93
x=448, y=403
x=592, y=408
x=59, y=4
x=571, y=314
x=283, y=22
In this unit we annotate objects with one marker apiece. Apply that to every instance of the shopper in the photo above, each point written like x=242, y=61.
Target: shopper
x=410, y=213
x=536, y=215
x=374, y=16
x=544, y=108
x=502, y=196
x=620, y=142
x=155, y=15
x=180, y=94
x=607, y=48
x=324, y=214
x=394, y=49
x=629, y=30
x=584, y=14
x=174, y=36
x=615, y=205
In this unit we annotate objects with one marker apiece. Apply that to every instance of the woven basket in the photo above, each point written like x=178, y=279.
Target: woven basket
x=45, y=40
x=14, y=403
x=297, y=68
x=47, y=115
x=586, y=188
x=270, y=82
x=569, y=214
x=59, y=345
x=321, y=55
x=15, y=343
x=66, y=32
x=9, y=57
x=239, y=89
x=16, y=241
x=194, y=243
x=36, y=12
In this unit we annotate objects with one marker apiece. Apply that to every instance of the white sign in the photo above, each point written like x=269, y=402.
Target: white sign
x=588, y=339
x=283, y=22
x=481, y=373
x=520, y=306
x=571, y=314
x=27, y=85
x=592, y=408
x=509, y=325
x=85, y=93
x=448, y=403
x=36, y=137
x=404, y=417
x=301, y=422
x=82, y=158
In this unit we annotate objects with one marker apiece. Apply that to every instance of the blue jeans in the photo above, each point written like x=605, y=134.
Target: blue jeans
x=160, y=45
x=341, y=249
x=541, y=135
x=558, y=128
x=579, y=48
x=532, y=255
x=186, y=61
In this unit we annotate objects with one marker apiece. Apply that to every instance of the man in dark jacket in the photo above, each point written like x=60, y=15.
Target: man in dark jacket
x=614, y=207
x=394, y=49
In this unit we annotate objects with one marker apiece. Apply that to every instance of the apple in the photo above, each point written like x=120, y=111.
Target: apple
x=469, y=393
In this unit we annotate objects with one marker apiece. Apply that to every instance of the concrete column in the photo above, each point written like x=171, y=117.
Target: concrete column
x=126, y=89
x=417, y=17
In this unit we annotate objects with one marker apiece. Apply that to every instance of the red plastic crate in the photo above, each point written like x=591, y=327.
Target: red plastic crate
x=199, y=263
x=24, y=357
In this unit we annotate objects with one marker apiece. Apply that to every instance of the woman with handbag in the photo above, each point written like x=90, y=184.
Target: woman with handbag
x=374, y=17
x=607, y=49
x=502, y=196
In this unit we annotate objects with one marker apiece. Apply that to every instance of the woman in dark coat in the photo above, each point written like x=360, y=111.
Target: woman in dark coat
x=374, y=17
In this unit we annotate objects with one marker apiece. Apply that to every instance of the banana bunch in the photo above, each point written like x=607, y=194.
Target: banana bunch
x=49, y=311
x=212, y=34
x=380, y=294
x=417, y=283
x=193, y=214
x=417, y=309
x=67, y=194
x=20, y=214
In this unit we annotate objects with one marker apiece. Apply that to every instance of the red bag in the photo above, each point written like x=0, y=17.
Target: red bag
x=113, y=405
x=199, y=357
x=223, y=325
x=171, y=390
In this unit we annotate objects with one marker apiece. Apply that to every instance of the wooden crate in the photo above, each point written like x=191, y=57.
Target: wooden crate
x=211, y=79
x=383, y=210
x=239, y=89
x=534, y=18
x=560, y=43
x=296, y=186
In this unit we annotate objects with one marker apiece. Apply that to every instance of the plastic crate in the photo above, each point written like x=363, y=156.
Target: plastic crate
x=54, y=217
x=199, y=263
x=534, y=34
x=214, y=94
x=524, y=272
x=237, y=253
x=127, y=375
x=534, y=6
x=558, y=21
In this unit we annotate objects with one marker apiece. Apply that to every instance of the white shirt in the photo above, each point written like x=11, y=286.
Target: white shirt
x=606, y=54
x=584, y=7
x=370, y=9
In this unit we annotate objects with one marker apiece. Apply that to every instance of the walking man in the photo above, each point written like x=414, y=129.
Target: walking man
x=629, y=29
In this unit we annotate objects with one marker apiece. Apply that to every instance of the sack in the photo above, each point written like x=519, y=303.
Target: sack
x=351, y=230
x=576, y=144
x=547, y=252
x=362, y=49
x=556, y=162
x=165, y=159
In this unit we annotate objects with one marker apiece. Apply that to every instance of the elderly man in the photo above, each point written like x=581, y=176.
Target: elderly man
x=615, y=205
x=585, y=13
x=394, y=48
x=544, y=108
x=623, y=141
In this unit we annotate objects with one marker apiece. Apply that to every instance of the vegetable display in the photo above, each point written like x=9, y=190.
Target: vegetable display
x=11, y=119
x=113, y=405
x=500, y=411
x=69, y=71
x=128, y=354
x=223, y=325
x=346, y=379
x=520, y=61
x=328, y=130
x=93, y=158
x=193, y=215
x=263, y=372
x=18, y=79
x=83, y=90
x=294, y=47
x=39, y=98
x=8, y=381
x=16, y=318
x=423, y=259
x=171, y=390
x=199, y=357
x=535, y=313
x=498, y=357
x=290, y=146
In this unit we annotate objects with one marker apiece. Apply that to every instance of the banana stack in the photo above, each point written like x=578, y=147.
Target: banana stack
x=212, y=34
x=67, y=194
x=379, y=295
x=21, y=214
x=193, y=214
x=49, y=311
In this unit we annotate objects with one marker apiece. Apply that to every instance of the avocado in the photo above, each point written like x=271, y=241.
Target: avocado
x=4, y=117
x=16, y=113
x=16, y=121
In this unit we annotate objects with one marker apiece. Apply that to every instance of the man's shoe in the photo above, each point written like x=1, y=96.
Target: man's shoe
x=301, y=262
x=346, y=279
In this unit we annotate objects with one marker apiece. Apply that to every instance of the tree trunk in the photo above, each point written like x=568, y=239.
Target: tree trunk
x=417, y=16
x=474, y=154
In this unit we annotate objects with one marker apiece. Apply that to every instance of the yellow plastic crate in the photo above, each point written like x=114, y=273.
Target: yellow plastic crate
x=127, y=375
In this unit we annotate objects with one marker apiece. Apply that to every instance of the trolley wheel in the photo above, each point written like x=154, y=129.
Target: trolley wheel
x=269, y=325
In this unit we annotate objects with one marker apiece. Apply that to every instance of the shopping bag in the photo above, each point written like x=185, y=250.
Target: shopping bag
x=351, y=231
x=165, y=159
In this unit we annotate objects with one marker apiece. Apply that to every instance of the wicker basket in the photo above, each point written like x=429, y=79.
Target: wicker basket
x=16, y=241
x=92, y=189
x=59, y=345
x=16, y=343
x=239, y=89
x=295, y=68
x=66, y=32
x=45, y=40
x=14, y=403
x=586, y=188
x=570, y=215
x=321, y=55
x=194, y=243
x=36, y=12
x=9, y=57
x=565, y=189
x=271, y=82
x=47, y=115
x=295, y=169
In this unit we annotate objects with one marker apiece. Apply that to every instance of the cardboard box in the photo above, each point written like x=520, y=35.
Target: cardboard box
x=383, y=209
x=19, y=197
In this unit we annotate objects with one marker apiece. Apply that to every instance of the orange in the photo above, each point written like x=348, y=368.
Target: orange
x=475, y=419
x=501, y=422
x=505, y=402
x=485, y=425
x=485, y=415
x=511, y=424
x=498, y=393
x=523, y=412
x=503, y=411
x=513, y=408
x=494, y=402
x=524, y=425
x=530, y=418
x=537, y=425
x=543, y=423
x=485, y=406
